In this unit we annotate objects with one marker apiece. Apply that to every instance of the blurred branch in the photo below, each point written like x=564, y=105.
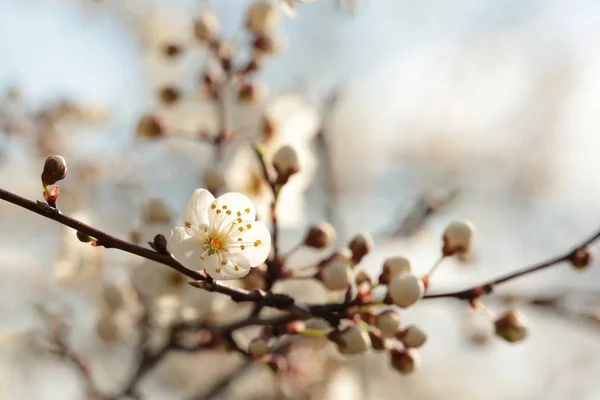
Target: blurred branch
x=416, y=216
x=58, y=338
x=330, y=185
x=488, y=287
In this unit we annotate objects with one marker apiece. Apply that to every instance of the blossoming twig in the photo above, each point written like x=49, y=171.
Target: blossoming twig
x=488, y=287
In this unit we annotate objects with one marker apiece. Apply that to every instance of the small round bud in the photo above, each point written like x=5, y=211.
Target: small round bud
x=350, y=341
x=214, y=179
x=378, y=343
x=259, y=347
x=581, y=259
x=112, y=296
x=511, y=326
x=251, y=93
x=169, y=95
x=286, y=162
x=278, y=364
x=268, y=44
x=320, y=236
x=156, y=212
x=336, y=276
x=84, y=237
x=388, y=323
x=406, y=289
x=107, y=329
x=392, y=267
x=360, y=245
x=405, y=361
x=149, y=127
x=457, y=237
x=363, y=277
x=269, y=128
x=55, y=169
x=412, y=336
x=159, y=243
x=206, y=27
x=172, y=50
x=262, y=16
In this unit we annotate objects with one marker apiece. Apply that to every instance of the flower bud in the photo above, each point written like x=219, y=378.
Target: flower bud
x=363, y=277
x=251, y=93
x=214, y=179
x=149, y=127
x=55, y=169
x=405, y=290
x=259, y=347
x=169, y=95
x=388, y=323
x=278, y=364
x=457, y=237
x=159, y=243
x=336, y=276
x=378, y=343
x=360, y=245
x=392, y=267
x=268, y=44
x=206, y=27
x=84, y=237
x=112, y=296
x=405, y=361
x=156, y=212
x=412, y=336
x=107, y=329
x=268, y=128
x=320, y=236
x=286, y=163
x=172, y=50
x=350, y=341
x=581, y=258
x=262, y=16
x=511, y=326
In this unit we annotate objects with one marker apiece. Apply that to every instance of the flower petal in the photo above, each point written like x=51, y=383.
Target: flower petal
x=229, y=208
x=223, y=267
x=185, y=248
x=252, y=243
x=196, y=209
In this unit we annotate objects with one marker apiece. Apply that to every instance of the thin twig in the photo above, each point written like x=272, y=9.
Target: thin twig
x=487, y=287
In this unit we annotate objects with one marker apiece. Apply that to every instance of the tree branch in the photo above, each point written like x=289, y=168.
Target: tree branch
x=488, y=287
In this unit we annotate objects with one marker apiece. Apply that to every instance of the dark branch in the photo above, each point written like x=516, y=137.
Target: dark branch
x=488, y=287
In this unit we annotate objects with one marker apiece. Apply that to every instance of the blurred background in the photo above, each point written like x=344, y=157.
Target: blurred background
x=408, y=115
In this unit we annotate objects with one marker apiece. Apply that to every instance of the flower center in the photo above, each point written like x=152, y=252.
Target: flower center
x=213, y=244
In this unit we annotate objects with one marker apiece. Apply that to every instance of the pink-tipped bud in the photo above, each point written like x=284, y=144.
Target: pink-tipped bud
x=351, y=341
x=262, y=17
x=259, y=347
x=206, y=27
x=511, y=326
x=388, y=323
x=392, y=267
x=336, y=276
x=405, y=290
x=405, y=361
x=320, y=236
x=457, y=237
x=149, y=127
x=360, y=245
x=55, y=169
x=412, y=336
x=581, y=259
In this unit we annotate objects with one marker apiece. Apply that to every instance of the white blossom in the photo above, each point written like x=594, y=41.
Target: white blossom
x=220, y=236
